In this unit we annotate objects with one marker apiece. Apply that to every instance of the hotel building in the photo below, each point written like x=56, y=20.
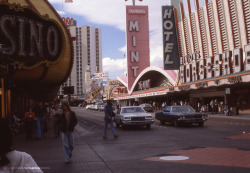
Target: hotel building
x=87, y=56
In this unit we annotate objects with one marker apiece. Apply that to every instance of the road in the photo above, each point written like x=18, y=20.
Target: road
x=220, y=146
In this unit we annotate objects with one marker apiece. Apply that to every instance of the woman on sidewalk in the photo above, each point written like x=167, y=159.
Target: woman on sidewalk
x=67, y=123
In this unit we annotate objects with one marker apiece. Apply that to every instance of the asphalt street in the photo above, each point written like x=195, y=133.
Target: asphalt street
x=222, y=145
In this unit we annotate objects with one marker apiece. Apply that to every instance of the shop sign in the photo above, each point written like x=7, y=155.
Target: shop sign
x=142, y=85
x=100, y=75
x=68, y=21
x=143, y=95
x=227, y=90
x=27, y=37
x=193, y=67
x=233, y=80
x=202, y=84
x=170, y=41
x=184, y=87
x=150, y=94
x=160, y=93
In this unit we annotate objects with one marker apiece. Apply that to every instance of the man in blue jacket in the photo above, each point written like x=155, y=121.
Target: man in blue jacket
x=108, y=110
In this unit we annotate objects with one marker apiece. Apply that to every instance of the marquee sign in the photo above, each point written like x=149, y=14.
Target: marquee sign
x=170, y=41
x=27, y=37
x=100, y=75
x=137, y=41
x=194, y=68
x=68, y=21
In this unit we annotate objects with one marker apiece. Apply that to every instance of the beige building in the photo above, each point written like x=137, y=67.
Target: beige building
x=87, y=55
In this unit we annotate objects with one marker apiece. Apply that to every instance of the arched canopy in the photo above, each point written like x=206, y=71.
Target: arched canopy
x=157, y=76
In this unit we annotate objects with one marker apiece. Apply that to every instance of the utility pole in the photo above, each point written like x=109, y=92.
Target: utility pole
x=134, y=1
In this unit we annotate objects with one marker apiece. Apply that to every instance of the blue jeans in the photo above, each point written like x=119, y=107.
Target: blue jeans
x=68, y=144
x=106, y=123
x=40, y=121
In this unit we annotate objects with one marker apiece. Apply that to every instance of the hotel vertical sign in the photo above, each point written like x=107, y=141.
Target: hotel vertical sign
x=137, y=41
x=170, y=41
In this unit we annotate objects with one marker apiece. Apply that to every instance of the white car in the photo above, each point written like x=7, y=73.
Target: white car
x=87, y=107
x=133, y=115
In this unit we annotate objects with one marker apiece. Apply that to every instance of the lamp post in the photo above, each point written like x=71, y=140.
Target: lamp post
x=134, y=1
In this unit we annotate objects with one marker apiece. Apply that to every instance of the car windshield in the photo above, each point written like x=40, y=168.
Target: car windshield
x=147, y=105
x=132, y=110
x=182, y=109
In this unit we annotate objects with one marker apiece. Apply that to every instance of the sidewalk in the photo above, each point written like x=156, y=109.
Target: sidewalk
x=49, y=155
x=242, y=116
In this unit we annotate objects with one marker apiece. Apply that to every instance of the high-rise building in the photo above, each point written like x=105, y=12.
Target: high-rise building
x=87, y=56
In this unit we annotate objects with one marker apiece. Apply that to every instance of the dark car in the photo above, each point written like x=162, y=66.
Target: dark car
x=147, y=107
x=178, y=115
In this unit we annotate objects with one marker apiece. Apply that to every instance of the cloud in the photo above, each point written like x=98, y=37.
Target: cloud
x=112, y=65
x=113, y=13
x=61, y=13
x=123, y=49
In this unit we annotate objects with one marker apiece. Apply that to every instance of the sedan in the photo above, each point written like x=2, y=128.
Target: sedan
x=180, y=115
x=101, y=108
x=133, y=115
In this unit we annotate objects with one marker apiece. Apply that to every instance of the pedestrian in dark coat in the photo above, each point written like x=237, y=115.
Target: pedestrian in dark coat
x=108, y=110
x=67, y=123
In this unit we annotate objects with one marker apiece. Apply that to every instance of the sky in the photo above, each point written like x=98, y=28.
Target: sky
x=110, y=16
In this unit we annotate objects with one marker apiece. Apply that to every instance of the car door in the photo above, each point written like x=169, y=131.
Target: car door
x=166, y=114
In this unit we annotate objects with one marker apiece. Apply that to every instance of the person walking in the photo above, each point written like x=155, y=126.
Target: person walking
x=12, y=161
x=55, y=113
x=29, y=121
x=67, y=123
x=108, y=111
x=40, y=114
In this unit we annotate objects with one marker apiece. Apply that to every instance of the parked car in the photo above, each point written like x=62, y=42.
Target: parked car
x=147, y=107
x=133, y=115
x=180, y=115
x=92, y=107
x=101, y=108
x=87, y=107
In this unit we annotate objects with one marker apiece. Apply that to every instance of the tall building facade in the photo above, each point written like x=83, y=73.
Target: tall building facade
x=87, y=57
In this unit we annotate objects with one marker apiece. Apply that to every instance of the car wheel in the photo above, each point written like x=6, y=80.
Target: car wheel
x=176, y=124
x=121, y=124
x=162, y=122
x=201, y=124
x=148, y=126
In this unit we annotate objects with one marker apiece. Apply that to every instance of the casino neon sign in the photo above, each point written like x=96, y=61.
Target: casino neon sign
x=28, y=37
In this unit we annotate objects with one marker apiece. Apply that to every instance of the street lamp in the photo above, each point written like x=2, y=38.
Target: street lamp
x=134, y=1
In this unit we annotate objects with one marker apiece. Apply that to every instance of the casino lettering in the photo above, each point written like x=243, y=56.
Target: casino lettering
x=29, y=40
x=193, y=68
